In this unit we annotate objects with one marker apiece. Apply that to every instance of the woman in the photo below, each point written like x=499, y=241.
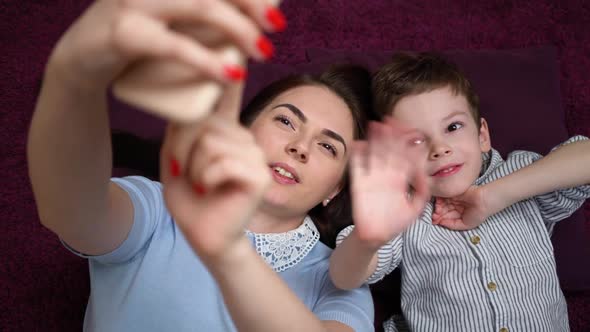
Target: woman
x=174, y=256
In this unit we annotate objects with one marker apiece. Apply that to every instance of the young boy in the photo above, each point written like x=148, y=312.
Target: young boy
x=491, y=266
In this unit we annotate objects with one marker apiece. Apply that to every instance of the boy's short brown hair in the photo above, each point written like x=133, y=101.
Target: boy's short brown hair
x=415, y=73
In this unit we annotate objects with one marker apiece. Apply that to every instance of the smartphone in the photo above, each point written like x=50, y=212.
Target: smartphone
x=171, y=89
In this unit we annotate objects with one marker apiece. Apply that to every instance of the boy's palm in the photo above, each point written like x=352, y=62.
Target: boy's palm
x=382, y=169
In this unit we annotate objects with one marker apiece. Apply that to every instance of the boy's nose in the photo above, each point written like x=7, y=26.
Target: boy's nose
x=440, y=151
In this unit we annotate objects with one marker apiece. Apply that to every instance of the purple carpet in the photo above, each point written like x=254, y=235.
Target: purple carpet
x=44, y=288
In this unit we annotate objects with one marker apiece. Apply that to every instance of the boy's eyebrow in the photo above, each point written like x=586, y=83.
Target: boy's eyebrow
x=299, y=114
x=454, y=113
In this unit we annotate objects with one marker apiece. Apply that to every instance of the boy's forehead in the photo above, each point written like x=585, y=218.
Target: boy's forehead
x=441, y=103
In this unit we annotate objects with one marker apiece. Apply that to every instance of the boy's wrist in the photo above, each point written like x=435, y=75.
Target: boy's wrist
x=494, y=199
x=366, y=247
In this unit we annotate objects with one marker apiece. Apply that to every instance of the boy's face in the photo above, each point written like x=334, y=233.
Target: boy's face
x=452, y=144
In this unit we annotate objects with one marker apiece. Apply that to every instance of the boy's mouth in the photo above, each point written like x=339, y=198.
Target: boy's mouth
x=447, y=170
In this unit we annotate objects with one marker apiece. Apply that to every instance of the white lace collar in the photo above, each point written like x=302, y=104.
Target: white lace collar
x=284, y=250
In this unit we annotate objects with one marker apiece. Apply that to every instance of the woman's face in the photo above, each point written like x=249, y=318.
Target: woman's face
x=306, y=133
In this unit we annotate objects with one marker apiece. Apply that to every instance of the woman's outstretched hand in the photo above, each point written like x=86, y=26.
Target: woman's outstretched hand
x=214, y=177
x=113, y=34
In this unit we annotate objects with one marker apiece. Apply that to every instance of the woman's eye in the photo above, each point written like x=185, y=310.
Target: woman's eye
x=284, y=120
x=454, y=126
x=330, y=148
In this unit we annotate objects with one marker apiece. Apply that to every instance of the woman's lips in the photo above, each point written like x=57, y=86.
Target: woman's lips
x=284, y=174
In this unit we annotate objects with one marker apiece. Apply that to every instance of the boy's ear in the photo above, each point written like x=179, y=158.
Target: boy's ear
x=484, y=136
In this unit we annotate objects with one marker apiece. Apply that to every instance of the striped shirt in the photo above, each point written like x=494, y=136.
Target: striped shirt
x=499, y=276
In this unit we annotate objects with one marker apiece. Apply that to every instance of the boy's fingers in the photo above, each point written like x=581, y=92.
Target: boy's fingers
x=358, y=159
x=421, y=191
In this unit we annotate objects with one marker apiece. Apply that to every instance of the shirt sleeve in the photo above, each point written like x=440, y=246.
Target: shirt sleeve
x=350, y=307
x=148, y=211
x=389, y=255
x=560, y=204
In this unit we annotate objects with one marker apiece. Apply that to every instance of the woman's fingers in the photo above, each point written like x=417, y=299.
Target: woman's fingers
x=211, y=148
x=265, y=12
x=233, y=170
x=156, y=40
x=241, y=27
x=190, y=150
x=176, y=150
x=230, y=102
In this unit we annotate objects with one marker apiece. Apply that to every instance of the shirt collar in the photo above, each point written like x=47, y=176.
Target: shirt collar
x=490, y=161
x=284, y=250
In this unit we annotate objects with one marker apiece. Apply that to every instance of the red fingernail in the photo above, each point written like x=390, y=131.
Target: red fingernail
x=199, y=189
x=234, y=73
x=174, y=167
x=276, y=18
x=265, y=47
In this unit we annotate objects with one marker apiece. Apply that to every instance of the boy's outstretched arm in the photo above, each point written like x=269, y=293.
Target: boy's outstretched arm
x=352, y=262
x=566, y=166
x=381, y=169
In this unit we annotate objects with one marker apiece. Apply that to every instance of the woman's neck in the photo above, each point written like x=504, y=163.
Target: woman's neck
x=269, y=221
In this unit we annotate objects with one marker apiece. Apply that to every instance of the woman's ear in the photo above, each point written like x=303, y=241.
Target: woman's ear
x=333, y=194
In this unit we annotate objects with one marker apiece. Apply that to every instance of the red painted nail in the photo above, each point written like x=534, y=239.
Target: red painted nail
x=265, y=47
x=199, y=189
x=276, y=18
x=174, y=167
x=235, y=73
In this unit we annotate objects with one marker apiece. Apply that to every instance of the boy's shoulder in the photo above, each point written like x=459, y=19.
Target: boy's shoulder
x=495, y=167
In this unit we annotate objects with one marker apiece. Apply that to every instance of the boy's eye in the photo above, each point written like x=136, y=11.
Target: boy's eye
x=330, y=148
x=454, y=126
x=284, y=120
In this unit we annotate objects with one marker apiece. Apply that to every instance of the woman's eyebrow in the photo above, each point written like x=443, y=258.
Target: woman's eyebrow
x=301, y=116
x=335, y=136
x=296, y=111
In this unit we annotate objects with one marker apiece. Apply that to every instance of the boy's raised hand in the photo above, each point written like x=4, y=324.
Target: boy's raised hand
x=383, y=169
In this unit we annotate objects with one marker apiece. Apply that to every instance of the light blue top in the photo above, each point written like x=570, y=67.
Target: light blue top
x=155, y=282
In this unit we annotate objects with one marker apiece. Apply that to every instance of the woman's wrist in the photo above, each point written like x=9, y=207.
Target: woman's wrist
x=60, y=71
x=232, y=257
